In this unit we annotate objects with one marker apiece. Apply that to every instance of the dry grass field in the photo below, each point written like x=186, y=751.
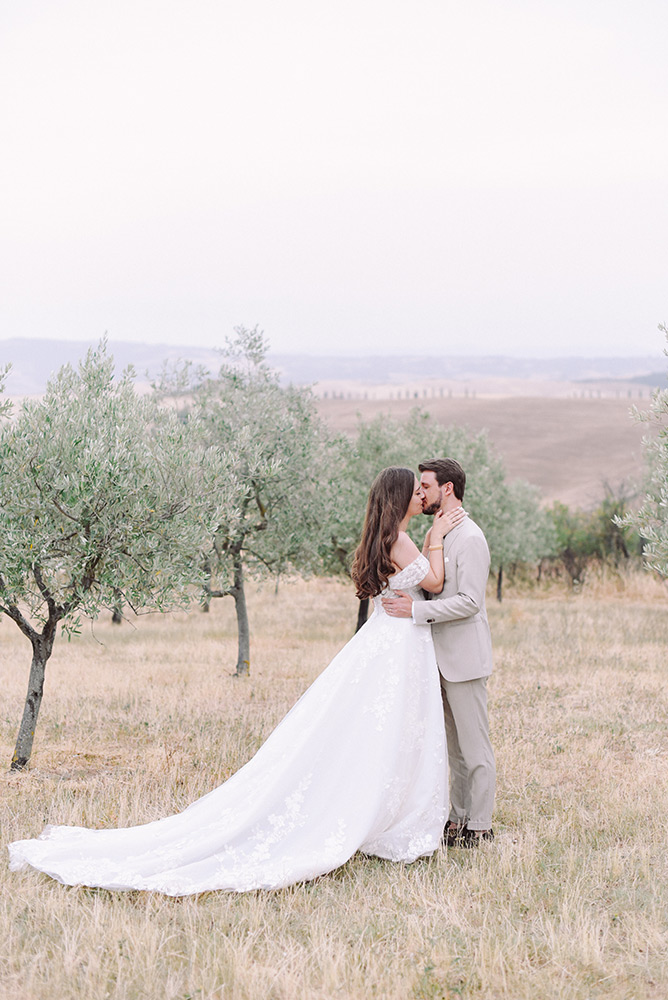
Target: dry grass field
x=569, y=903
x=567, y=447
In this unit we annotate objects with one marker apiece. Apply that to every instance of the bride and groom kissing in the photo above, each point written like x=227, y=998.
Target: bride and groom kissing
x=463, y=647
x=360, y=763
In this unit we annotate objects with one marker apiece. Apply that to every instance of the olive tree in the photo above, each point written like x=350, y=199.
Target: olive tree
x=5, y=405
x=651, y=519
x=103, y=498
x=522, y=532
x=279, y=453
x=618, y=541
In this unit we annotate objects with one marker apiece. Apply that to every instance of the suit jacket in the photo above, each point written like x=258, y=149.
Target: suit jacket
x=458, y=615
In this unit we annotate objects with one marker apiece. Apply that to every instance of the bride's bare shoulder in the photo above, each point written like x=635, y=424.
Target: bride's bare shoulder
x=404, y=551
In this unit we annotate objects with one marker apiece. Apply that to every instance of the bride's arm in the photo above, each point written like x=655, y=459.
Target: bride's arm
x=443, y=523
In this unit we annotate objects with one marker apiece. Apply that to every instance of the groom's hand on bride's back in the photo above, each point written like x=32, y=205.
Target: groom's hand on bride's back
x=399, y=606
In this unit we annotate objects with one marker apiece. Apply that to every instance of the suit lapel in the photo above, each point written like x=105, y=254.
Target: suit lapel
x=450, y=539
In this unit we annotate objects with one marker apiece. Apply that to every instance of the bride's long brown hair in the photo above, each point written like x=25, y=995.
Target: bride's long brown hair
x=389, y=497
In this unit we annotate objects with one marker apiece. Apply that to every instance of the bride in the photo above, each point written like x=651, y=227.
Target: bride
x=358, y=764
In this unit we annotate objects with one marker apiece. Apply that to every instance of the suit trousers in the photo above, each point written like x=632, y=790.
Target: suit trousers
x=470, y=754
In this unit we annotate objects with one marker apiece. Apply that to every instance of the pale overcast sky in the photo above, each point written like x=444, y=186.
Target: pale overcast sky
x=486, y=176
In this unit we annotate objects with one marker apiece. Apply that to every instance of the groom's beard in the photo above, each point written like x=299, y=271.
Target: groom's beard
x=432, y=508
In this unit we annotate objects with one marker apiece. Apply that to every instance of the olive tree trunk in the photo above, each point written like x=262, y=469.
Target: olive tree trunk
x=239, y=594
x=499, y=585
x=362, y=613
x=42, y=647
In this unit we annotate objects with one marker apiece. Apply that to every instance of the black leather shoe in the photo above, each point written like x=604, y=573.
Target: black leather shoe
x=473, y=838
x=453, y=835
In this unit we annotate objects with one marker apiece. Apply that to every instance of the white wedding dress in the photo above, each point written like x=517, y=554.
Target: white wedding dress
x=358, y=764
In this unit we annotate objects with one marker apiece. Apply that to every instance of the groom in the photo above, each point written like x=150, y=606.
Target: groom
x=464, y=653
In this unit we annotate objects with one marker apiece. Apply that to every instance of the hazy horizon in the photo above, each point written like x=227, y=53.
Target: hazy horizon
x=85, y=342
x=35, y=361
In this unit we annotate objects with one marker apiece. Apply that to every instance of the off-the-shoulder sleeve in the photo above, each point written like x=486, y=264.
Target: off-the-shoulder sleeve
x=411, y=575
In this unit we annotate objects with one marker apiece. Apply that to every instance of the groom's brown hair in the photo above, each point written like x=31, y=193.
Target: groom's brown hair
x=447, y=470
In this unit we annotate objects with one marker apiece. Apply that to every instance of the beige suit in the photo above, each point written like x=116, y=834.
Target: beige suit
x=464, y=653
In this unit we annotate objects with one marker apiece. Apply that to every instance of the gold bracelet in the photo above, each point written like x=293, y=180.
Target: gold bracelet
x=435, y=547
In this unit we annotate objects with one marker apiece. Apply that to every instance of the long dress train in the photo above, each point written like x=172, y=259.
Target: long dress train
x=358, y=764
